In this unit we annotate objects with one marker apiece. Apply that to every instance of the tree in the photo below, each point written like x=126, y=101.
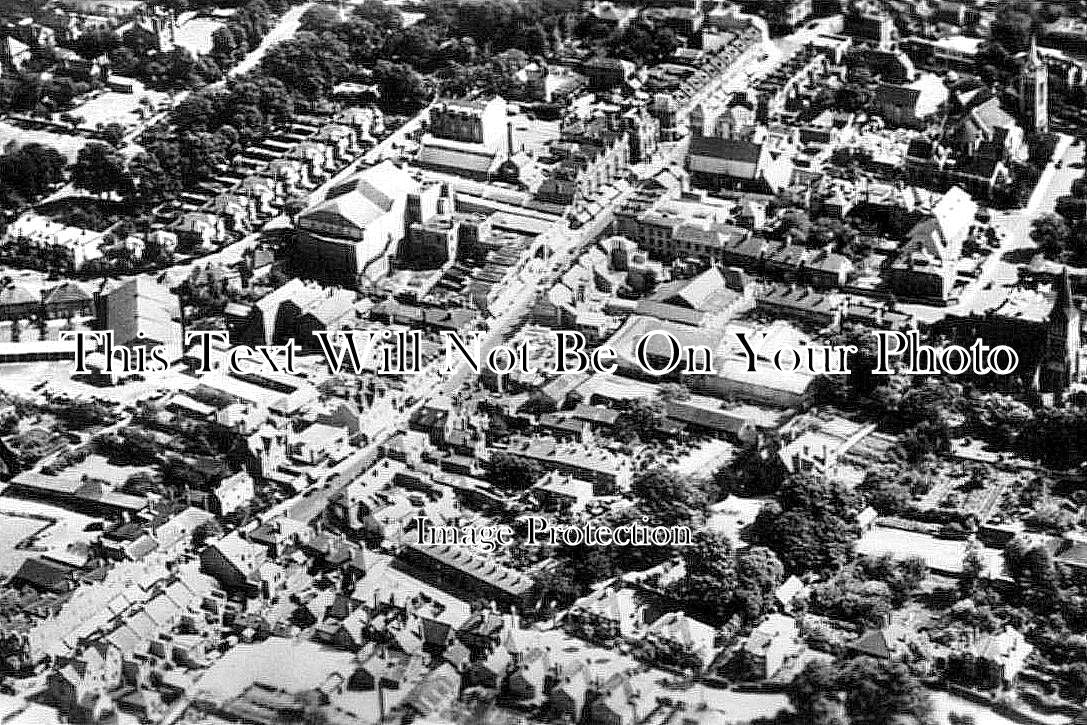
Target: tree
x=1012, y=30
x=302, y=617
x=998, y=417
x=364, y=39
x=877, y=690
x=759, y=573
x=1054, y=436
x=1075, y=679
x=401, y=88
x=1071, y=208
x=207, y=530
x=1051, y=234
x=709, y=582
x=199, y=155
x=674, y=392
x=27, y=172
x=973, y=568
x=417, y=46
x=113, y=134
x=812, y=691
x=385, y=17
x=795, y=225
x=100, y=169
x=94, y=42
x=932, y=401
x=150, y=184
x=319, y=19
x=511, y=473
x=666, y=498
x=639, y=420
x=224, y=46
x=557, y=584
x=888, y=498
x=812, y=526
x=861, y=363
x=308, y=63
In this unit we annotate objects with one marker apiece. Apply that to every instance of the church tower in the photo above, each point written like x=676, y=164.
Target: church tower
x=1034, y=91
x=1060, y=366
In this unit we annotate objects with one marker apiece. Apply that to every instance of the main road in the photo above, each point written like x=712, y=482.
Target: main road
x=285, y=28
x=1000, y=272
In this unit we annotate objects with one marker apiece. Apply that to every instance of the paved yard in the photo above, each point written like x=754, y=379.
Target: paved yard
x=113, y=107
x=194, y=34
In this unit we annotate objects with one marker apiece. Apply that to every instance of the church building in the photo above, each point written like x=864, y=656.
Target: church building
x=1034, y=91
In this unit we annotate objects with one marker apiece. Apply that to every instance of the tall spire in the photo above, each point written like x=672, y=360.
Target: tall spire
x=1034, y=58
x=1064, y=300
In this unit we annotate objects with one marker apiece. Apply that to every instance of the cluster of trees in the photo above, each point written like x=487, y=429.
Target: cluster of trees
x=133, y=54
x=1017, y=20
x=217, y=122
x=755, y=470
x=876, y=692
x=175, y=69
x=812, y=526
x=462, y=47
x=39, y=95
x=1063, y=236
x=510, y=473
x=640, y=42
x=243, y=32
x=865, y=592
x=212, y=126
x=890, y=488
x=720, y=584
x=532, y=26
x=82, y=414
x=1051, y=435
x=638, y=419
x=27, y=172
x=1047, y=602
x=798, y=228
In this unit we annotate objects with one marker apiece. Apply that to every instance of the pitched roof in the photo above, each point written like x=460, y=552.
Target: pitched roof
x=726, y=148
x=67, y=292
x=43, y=575
x=435, y=691
x=897, y=95
x=447, y=155
x=16, y=295
x=698, y=291
x=885, y=643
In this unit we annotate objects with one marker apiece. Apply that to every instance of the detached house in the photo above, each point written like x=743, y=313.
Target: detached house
x=199, y=229
x=769, y=645
x=76, y=685
x=991, y=662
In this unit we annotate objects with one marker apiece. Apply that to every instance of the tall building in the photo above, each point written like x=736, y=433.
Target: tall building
x=1060, y=366
x=350, y=236
x=470, y=121
x=1034, y=91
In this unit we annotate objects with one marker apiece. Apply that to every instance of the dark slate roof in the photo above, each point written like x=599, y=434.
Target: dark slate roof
x=726, y=148
x=43, y=575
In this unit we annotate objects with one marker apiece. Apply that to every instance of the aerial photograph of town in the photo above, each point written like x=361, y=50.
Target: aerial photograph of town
x=528, y=362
